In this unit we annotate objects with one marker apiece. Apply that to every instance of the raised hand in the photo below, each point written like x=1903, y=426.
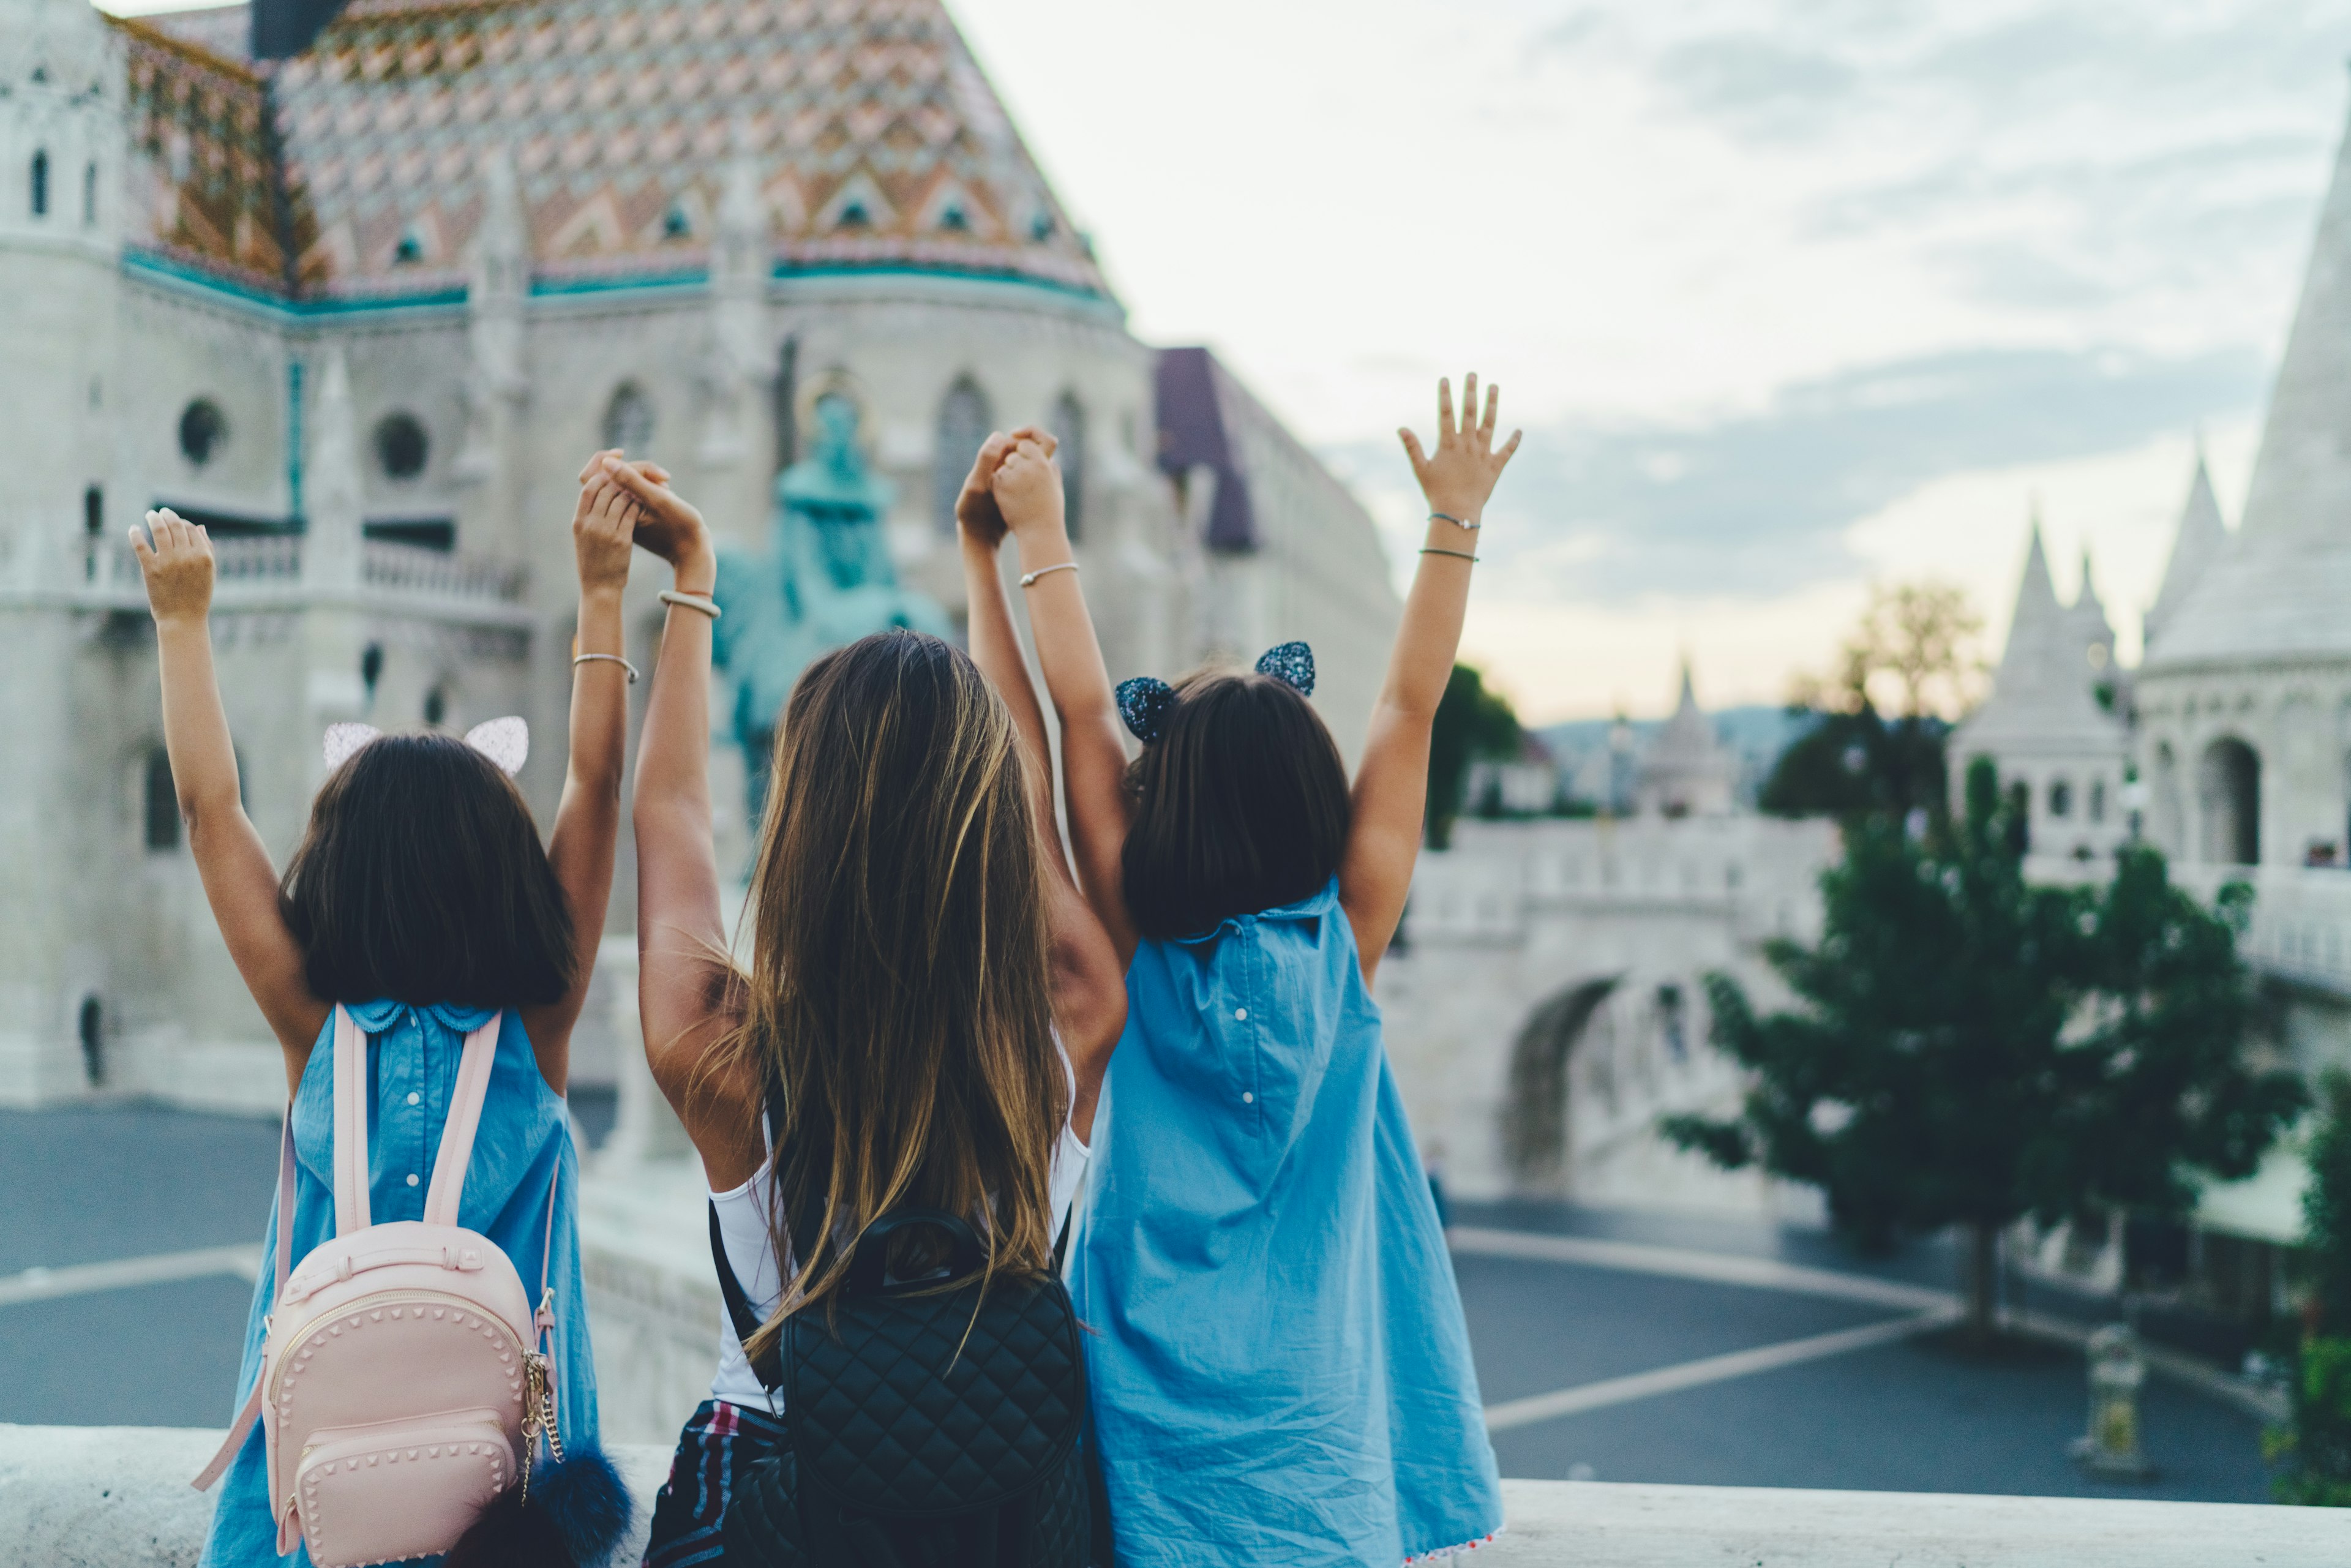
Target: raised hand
x=976, y=512
x=667, y=523
x=1028, y=490
x=602, y=524
x=178, y=567
x=1461, y=474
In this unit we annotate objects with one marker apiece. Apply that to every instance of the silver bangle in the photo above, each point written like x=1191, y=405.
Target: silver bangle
x=1456, y=522
x=701, y=602
x=579, y=659
x=1029, y=581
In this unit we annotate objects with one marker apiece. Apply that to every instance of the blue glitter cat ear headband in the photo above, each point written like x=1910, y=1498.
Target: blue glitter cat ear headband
x=1145, y=701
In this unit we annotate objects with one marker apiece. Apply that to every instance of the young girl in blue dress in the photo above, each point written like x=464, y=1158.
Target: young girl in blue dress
x=422, y=902
x=1280, y=1370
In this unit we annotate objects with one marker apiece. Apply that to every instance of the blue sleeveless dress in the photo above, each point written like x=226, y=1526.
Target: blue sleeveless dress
x=524, y=1137
x=1279, y=1366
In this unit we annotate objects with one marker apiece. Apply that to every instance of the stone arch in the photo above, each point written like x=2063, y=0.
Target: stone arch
x=2228, y=800
x=2169, y=831
x=1534, y=1116
x=965, y=417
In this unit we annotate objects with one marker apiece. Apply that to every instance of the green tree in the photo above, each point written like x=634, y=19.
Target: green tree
x=2318, y=1441
x=1471, y=723
x=1969, y=1048
x=1911, y=654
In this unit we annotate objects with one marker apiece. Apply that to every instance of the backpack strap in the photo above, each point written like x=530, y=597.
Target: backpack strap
x=350, y=1133
x=769, y=1370
x=242, y=1427
x=464, y=1121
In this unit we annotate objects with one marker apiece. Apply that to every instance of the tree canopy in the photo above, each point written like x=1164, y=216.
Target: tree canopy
x=1911, y=656
x=1471, y=723
x=1967, y=1048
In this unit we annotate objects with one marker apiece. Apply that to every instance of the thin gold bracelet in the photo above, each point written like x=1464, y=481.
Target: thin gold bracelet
x=1439, y=550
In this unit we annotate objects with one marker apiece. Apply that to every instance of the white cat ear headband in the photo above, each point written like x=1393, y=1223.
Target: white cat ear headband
x=505, y=741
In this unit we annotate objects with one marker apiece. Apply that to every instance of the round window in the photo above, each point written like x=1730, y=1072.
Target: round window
x=401, y=446
x=202, y=429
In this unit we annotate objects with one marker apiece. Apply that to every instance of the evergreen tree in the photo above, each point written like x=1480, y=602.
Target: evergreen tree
x=1470, y=723
x=1969, y=1048
x=2319, y=1440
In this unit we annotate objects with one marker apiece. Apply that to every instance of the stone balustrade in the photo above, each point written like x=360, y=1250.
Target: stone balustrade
x=271, y=566
x=116, y=1497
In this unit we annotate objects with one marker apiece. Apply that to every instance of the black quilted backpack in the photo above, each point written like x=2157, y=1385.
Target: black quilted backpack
x=934, y=1430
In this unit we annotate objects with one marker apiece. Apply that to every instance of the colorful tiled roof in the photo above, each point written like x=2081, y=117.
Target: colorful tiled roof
x=205, y=189
x=872, y=136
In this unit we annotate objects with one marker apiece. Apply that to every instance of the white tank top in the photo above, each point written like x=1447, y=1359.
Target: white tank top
x=745, y=1226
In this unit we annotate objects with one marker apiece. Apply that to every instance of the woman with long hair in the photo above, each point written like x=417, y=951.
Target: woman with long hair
x=928, y=1003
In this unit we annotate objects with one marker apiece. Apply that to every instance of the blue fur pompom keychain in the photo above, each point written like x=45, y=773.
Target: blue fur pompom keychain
x=579, y=1511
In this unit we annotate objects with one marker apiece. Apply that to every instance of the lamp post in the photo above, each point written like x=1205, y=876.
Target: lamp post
x=2117, y=1367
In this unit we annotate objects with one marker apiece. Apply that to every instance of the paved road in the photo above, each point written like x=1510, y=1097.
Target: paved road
x=1789, y=1379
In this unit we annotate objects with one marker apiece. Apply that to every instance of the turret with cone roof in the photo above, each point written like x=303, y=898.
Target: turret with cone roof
x=2279, y=591
x=2043, y=696
x=1686, y=771
x=2199, y=542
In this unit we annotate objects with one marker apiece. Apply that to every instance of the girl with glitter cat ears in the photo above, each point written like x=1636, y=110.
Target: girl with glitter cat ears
x=1280, y=1370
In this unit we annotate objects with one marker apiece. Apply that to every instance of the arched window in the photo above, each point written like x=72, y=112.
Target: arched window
x=203, y=428
x=88, y=193
x=629, y=420
x=2097, y=800
x=40, y=184
x=2229, y=791
x=965, y=420
x=93, y=529
x=162, y=804
x=1069, y=426
x=2061, y=798
x=401, y=446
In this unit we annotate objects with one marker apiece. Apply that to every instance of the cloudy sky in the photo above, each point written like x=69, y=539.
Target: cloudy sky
x=1790, y=296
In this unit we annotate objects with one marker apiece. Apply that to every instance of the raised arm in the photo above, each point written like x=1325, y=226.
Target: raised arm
x=1391, y=793
x=588, y=816
x=685, y=998
x=1028, y=489
x=239, y=882
x=1089, y=983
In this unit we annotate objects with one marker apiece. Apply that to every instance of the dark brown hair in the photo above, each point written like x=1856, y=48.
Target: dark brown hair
x=421, y=878
x=1241, y=806
x=898, y=1000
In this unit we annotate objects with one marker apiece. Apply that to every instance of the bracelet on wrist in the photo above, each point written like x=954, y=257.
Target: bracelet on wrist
x=579, y=659
x=701, y=603
x=1457, y=554
x=1470, y=523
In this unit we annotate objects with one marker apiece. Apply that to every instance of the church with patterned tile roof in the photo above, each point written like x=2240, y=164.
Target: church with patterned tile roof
x=358, y=287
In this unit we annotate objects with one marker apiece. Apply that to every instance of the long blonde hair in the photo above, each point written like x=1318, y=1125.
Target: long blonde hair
x=897, y=1005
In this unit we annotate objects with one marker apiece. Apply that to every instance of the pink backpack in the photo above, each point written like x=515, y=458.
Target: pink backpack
x=403, y=1386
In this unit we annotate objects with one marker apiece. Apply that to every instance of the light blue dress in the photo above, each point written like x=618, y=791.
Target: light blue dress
x=525, y=1135
x=1280, y=1369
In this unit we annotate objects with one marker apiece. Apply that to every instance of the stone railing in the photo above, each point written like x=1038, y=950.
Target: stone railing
x=117, y=1497
x=2301, y=916
x=409, y=569
x=271, y=566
